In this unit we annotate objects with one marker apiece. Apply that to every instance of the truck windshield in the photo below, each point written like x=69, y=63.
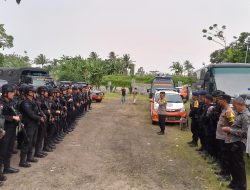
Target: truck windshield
x=41, y=81
x=233, y=81
x=173, y=98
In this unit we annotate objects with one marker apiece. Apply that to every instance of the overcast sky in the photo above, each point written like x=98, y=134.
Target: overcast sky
x=153, y=32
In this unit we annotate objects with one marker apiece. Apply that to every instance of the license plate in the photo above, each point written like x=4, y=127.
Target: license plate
x=171, y=118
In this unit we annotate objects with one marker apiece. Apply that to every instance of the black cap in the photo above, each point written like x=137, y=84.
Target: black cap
x=195, y=94
x=209, y=97
x=218, y=93
x=203, y=93
x=225, y=97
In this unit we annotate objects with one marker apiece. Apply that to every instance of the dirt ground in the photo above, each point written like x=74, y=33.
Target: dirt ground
x=115, y=147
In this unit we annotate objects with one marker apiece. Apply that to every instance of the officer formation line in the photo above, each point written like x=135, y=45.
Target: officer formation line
x=221, y=124
x=37, y=119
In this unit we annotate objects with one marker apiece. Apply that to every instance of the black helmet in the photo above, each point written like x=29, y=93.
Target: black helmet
x=28, y=89
x=22, y=88
x=62, y=88
x=56, y=90
x=41, y=89
x=51, y=91
x=6, y=88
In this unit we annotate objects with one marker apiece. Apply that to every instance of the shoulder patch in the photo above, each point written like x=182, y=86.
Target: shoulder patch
x=196, y=104
x=230, y=116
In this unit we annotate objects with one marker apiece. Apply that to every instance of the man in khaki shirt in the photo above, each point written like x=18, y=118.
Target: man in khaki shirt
x=162, y=112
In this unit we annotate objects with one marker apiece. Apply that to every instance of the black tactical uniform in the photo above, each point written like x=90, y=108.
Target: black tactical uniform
x=193, y=114
x=2, y=134
x=7, y=143
x=31, y=119
x=42, y=128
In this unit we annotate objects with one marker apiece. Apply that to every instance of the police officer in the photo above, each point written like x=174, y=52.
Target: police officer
x=236, y=139
x=51, y=129
x=11, y=121
x=162, y=112
x=2, y=133
x=42, y=129
x=202, y=109
x=226, y=119
x=208, y=131
x=193, y=114
x=31, y=119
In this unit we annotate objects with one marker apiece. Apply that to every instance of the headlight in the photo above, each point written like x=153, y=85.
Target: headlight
x=156, y=106
x=183, y=109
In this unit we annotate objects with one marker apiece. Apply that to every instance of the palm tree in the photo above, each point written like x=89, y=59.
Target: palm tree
x=126, y=63
x=177, y=68
x=93, y=55
x=188, y=67
x=112, y=56
x=41, y=60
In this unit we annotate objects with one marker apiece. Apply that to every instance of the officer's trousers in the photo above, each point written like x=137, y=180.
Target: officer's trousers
x=6, y=145
x=162, y=121
x=27, y=146
x=237, y=165
x=195, y=130
x=42, y=132
x=224, y=154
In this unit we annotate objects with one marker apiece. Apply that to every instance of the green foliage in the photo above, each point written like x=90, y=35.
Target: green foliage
x=184, y=79
x=124, y=80
x=6, y=41
x=144, y=79
x=95, y=71
x=15, y=61
x=233, y=53
x=117, y=80
x=71, y=68
x=1, y=59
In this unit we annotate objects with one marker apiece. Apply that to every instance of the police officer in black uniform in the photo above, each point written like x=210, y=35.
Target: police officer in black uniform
x=42, y=129
x=2, y=134
x=11, y=121
x=31, y=119
x=193, y=114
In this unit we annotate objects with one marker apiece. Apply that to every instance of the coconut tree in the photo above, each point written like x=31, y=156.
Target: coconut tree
x=177, y=68
x=93, y=55
x=188, y=67
x=41, y=60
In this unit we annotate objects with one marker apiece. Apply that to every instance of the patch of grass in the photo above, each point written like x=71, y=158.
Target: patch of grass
x=129, y=97
x=201, y=169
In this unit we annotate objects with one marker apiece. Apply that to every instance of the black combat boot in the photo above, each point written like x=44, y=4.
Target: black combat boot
x=23, y=163
x=2, y=177
x=32, y=159
x=8, y=169
x=47, y=149
x=39, y=155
